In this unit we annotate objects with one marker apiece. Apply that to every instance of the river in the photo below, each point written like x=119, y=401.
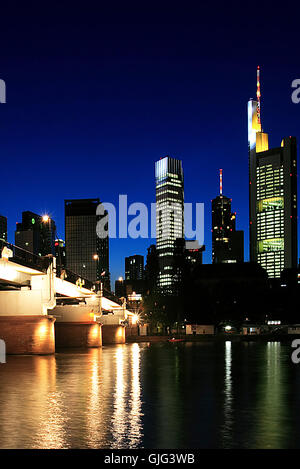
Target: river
x=184, y=395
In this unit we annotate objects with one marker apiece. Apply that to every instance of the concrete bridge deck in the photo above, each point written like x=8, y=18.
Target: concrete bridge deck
x=33, y=289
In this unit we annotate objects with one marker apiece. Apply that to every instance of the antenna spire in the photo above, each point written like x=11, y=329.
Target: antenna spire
x=221, y=181
x=258, y=95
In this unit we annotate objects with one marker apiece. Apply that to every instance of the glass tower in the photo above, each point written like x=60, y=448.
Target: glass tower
x=169, y=217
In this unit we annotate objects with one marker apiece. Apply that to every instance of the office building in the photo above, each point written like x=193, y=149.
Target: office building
x=272, y=196
x=86, y=254
x=227, y=242
x=169, y=216
x=134, y=267
x=36, y=234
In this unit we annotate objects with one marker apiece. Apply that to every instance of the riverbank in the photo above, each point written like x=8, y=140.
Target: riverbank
x=216, y=338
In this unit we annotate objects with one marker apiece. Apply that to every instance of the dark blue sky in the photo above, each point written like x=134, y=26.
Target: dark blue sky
x=96, y=96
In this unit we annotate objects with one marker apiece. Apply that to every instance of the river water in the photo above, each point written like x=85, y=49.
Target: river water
x=184, y=395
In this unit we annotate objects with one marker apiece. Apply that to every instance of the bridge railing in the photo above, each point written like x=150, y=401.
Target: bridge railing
x=26, y=258
x=72, y=277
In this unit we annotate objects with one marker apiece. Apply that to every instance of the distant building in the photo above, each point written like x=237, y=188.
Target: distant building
x=227, y=243
x=60, y=252
x=197, y=329
x=134, y=267
x=120, y=288
x=273, y=196
x=36, y=234
x=3, y=228
x=227, y=291
x=86, y=254
x=169, y=216
x=194, y=252
x=151, y=269
x=187, y=255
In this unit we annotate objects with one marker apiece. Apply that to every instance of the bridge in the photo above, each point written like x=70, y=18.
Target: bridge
x=35, y=293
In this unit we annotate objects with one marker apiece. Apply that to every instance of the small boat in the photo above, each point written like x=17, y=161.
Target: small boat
x=175, y=340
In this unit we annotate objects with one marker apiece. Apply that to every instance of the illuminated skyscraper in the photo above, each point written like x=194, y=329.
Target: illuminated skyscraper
x=169, y=216
x=272, y=196
x=227, y=243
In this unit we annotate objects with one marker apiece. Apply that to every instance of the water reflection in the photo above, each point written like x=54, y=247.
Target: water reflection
x=129, y=396
x=135, y=430
x=95, y=401
x=126, y=417
x=119, y=414
x=51, y=431
x=271, y=411
x=227, y=426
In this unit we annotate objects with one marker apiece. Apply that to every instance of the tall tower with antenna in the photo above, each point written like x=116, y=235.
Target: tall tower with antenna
x=272, y=195
x=227, y=243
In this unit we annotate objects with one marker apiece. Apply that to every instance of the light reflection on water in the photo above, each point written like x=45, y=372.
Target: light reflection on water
x=228, y=398
x=165, y=395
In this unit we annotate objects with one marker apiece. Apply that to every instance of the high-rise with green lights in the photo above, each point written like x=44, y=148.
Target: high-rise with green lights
x=272, y=196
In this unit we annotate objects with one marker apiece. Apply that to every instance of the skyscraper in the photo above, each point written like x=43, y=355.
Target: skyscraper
x=272, y=196
x=134, y=267
x=86, y=254
x=36, y=234
x=227, y=243
x=169, y=216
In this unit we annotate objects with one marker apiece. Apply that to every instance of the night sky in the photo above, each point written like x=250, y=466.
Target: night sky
x=95, y=96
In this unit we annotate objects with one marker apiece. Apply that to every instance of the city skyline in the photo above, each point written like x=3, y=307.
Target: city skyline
x=169, y=97
x=150, y=257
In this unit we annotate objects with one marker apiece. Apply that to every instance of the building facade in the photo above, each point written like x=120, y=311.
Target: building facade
x=86, y=254
x=272, y=197
x=60, y=252
x=36, y=234
x=169, y=216
x=120, y=288
x=134, y=267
